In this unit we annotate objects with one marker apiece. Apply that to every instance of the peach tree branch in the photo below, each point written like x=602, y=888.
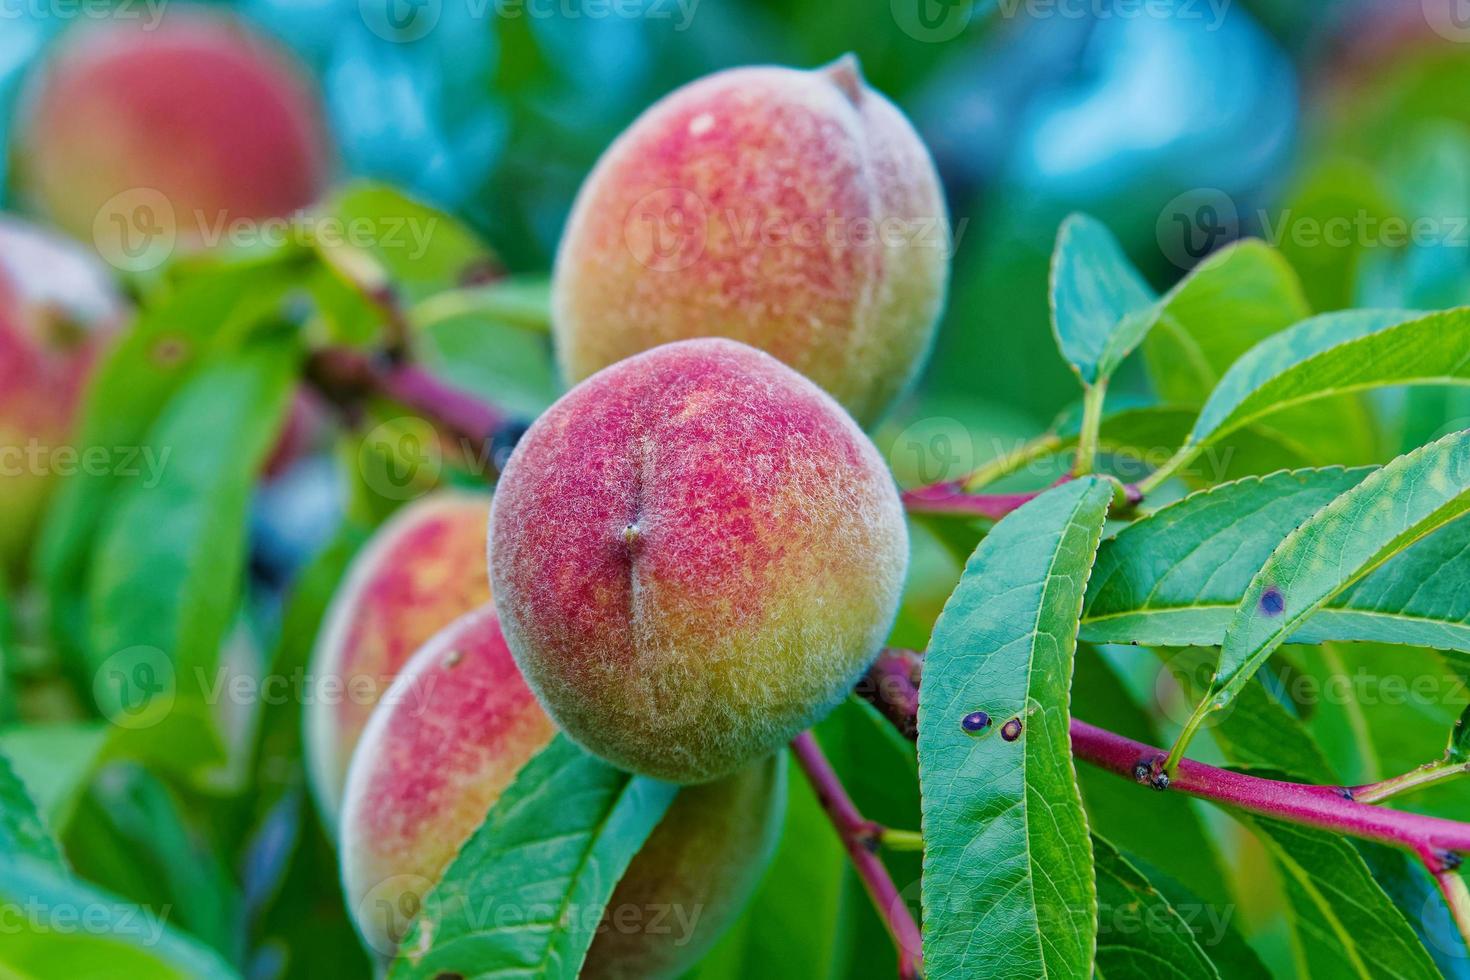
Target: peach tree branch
x=861, y=838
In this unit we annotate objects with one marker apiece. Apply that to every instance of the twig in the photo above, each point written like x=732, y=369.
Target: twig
x=1437, y=842
x=952, y=498
x=1092, y=409
x=1409, y=781
x=349, y=377
x=860, y=837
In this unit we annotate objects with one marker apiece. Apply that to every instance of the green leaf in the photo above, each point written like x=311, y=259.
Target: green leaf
x=1333, y=354
x=1177, y=576
x=1346, y=926
x=278, y=744
x=1140, y=935
x=198, y=320
x=1232, y=300
x=557, y=841
x=57, y=926
x=57, y=761
x=1099, y=302
x=22, y=831
x=1380, y=517
x=1404, y=879
x=133, y=836
x=1008, y=886
x=419, y=248
x=170, y=557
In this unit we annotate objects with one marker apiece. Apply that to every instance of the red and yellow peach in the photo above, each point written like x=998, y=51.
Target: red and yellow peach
x=450, y=736
x=424, y=569
x=136, y=130
x=695, y=553
x=796, y=211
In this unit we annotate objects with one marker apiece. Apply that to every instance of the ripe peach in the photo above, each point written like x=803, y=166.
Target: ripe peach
x=56, y=310
x=450, y=736
x=423, y=569
x=695, y=553
x=136, y=130
x=797, y=211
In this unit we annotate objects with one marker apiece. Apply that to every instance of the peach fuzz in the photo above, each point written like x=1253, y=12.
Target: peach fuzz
x=796, y=211
x=422, y=570
x=450, y=736
x=695, y=553
x=196, y=114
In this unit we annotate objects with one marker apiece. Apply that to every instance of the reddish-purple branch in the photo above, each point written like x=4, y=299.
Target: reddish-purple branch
x=952, y=499
x=1436, y=841
x=860, y=838
x=348, y=377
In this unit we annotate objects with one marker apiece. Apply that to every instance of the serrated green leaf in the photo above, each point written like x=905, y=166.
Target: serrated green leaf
x=1177, y=576
x=1099, y=302
x=1232, y=300
x=1334, y=354
x=170, y=557
x=1364, y=527
x=59, y=927
x=556, y=841
x=22, y=831
x=1346, y=925
x=1140, y=935
x=1008, y=887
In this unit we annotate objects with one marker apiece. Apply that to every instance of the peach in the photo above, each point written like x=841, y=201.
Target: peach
x=450, y=736
x=135, y=131
x=423, y=569
x=695, y=553
x=56, y=311
x=796, y=211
